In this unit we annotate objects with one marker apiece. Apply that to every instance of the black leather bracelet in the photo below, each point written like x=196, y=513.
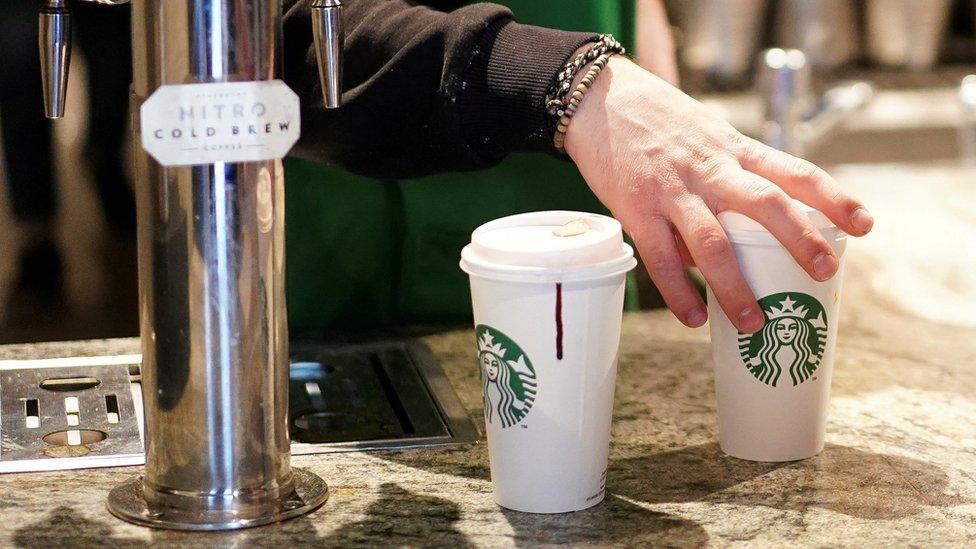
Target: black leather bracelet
x=559, y=92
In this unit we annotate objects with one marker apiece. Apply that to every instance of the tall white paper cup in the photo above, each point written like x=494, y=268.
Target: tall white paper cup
x=547, y=312
x=773, y=386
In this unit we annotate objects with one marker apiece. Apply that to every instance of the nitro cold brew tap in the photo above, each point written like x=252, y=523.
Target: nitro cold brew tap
x=211, y=121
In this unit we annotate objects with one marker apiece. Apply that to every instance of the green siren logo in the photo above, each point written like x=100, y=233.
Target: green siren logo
x=507, y=376
x=793, y=339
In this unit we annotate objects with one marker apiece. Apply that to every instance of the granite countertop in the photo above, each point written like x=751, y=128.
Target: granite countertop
x=899, y=467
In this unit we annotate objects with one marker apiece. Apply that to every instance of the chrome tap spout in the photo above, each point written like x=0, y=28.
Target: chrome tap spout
x=795, y=120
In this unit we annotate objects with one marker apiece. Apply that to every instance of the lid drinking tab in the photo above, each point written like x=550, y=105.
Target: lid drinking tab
x=547, y=241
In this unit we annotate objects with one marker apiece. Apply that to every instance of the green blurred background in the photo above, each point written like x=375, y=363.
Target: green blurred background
x=364, y=253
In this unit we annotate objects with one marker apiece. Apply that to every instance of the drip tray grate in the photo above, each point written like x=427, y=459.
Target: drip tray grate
x=71, y=413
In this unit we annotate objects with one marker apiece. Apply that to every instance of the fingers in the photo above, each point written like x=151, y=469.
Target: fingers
x=712, y=251
x=684, y=251
x=658, y=249
x=760, y=199
x=807, y=183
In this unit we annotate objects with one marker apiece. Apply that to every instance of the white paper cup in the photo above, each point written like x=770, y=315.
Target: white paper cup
x=547, y=312
x=773, y=387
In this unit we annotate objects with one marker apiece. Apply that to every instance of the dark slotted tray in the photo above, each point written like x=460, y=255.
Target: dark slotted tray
x=374, y=395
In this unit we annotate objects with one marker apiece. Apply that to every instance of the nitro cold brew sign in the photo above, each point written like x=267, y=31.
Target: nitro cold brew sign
x=189, y=124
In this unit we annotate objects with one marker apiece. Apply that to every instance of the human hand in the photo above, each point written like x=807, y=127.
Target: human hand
x=665, y=165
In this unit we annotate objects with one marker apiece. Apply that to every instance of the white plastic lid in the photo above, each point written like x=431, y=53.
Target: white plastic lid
x=546, y=246
x=734, y=221
x=746, y=230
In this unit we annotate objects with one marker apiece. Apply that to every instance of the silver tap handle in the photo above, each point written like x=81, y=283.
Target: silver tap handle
x=328, y=34
x=54, y=46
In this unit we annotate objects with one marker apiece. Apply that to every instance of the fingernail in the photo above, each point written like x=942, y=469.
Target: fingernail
x=697, y=317
x=824, y=266
x=750, y=320
x=862, y=220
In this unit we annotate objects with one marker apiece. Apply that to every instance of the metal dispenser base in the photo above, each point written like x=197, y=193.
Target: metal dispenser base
x=127, y=501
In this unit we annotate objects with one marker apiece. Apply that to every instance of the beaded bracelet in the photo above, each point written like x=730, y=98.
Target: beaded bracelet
x=559, y=97
x=559, y=137
x=560, y=88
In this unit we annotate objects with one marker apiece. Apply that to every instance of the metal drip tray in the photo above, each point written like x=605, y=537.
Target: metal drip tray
x=69, y=414
x=72, y=413
x=377, y=395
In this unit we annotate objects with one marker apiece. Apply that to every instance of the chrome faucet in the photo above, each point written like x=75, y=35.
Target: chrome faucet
x=213, y=327
x=328, y=36
x=795, y=120
x=967, y=122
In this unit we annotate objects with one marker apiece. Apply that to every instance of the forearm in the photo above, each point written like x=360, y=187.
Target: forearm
x=426, y=91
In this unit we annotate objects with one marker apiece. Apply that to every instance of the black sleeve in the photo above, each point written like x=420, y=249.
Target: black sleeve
x=426, y=91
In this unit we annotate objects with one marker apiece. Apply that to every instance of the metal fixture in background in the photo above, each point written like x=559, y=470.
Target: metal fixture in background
x=824, y=30
x=211, y=278
x=906, y=33
x=967, y=122
x=796, y=120
x=720, y=37
x=784, y=86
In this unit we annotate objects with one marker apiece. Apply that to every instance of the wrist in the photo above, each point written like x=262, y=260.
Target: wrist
x=564, y=97
x=589, y=121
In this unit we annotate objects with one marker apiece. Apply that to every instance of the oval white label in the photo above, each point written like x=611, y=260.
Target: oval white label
x=189, y=124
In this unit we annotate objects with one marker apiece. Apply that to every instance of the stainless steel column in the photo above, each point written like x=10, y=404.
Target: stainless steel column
x=212, y=302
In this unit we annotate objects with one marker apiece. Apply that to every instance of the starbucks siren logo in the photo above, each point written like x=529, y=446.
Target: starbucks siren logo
x=507, y=376
x=793, y=339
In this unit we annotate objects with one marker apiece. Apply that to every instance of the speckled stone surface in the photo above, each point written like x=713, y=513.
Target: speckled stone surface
x=899, y=468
